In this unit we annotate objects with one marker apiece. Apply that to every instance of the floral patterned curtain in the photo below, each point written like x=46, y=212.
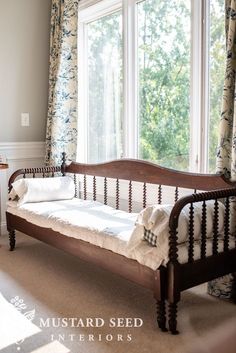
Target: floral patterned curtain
x=226, y=154
x=61, y=135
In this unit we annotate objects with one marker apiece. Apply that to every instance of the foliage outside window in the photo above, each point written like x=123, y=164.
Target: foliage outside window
x=161, y=118
x=105, y=88
x=164, y=82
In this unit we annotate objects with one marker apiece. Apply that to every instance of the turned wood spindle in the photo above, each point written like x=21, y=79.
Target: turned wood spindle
x=144, y=195
x=12, y=239
x=226, y=224
x=94, y=189
x=159, y=194
x=203, y=230
x=173, y=308
x=176, y=193
x=130, y=196
x=85, y=187
x=63, y=165
x=105, y=191
x=173, y=249
x=161, y=314
x=215, y=228
x=191, y=234
x=117, y=194
x=76, y=188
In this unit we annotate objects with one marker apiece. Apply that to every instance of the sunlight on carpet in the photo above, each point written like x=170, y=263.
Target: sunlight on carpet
x=40, y=285
x=52, y=347
x=14, y=326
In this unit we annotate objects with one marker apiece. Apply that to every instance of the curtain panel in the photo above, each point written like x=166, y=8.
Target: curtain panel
x=61, y=133
x=226, y=153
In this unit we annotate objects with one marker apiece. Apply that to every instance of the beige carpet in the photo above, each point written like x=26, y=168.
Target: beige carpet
x=48, y=283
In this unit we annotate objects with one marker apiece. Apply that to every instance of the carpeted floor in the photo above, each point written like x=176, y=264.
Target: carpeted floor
x=43, y=283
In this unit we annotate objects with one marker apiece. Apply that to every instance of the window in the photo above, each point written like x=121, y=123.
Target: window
x=164, y=81
x=151, y=81
x=104, y=62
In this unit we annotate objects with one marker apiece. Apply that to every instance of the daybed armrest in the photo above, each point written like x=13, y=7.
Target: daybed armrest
x=191, y=199
x=33, y=171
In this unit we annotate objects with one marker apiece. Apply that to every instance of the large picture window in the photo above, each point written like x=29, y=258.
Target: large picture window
x=151, y=81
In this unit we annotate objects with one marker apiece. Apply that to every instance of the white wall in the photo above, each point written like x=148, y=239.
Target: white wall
x=24, y=64
x=24, y=48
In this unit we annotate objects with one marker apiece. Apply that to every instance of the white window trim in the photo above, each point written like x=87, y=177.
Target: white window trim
x=86, y=16
x=82, y=92
x=205, y=106
x=130, y=79
x=195, y=85
x=86, y=3
x=199, y=105
x=101, y=8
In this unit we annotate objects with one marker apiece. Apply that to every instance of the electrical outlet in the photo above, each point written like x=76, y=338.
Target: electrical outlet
x=25, y=119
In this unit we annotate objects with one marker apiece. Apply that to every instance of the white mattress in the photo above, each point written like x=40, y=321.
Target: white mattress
x=100, y=225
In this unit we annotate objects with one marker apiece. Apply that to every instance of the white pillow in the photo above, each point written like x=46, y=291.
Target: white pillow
x=42, y=189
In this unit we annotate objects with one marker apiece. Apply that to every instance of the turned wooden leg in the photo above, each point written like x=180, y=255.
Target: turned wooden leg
x=12, y=239
x=161, y=315
x=173, y=318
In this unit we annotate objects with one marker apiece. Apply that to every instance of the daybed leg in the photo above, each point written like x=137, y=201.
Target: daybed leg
x=161, y=315
x=173, y=318
x=160, y=295
x=12, y=239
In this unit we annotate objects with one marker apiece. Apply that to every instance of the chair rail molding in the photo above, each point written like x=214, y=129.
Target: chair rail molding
x=22, y=150
x=17, y=155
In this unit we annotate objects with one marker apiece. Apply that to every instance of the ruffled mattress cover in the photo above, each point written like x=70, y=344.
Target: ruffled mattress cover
x=103, y=226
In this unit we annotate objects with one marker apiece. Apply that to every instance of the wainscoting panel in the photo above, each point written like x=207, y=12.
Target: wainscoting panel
x=17, y=155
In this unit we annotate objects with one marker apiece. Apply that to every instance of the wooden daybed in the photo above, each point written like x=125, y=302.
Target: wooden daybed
x=168, y=282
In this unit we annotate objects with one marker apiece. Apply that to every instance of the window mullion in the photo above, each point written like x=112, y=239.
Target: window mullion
x=130, y=79
x=205, y=87
x=82, y=150
x=196, y=86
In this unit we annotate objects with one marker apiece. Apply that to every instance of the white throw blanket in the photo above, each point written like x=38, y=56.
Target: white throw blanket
x=155, y=218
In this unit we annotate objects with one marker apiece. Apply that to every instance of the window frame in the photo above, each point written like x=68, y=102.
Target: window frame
x=87, y=15
x=199, y=79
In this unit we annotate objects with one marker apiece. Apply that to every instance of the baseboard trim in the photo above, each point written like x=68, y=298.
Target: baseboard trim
x=3, y=228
